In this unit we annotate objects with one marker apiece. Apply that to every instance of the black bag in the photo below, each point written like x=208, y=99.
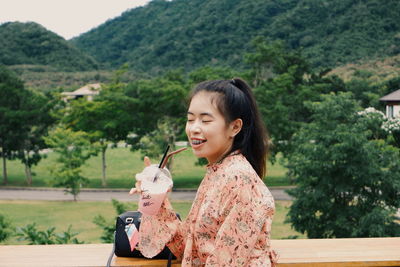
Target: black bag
x=122, y=247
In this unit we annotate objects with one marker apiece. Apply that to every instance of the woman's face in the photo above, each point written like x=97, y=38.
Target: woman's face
x=208, y=133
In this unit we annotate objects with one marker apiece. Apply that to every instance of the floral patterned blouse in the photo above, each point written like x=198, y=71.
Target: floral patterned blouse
x=229, y=223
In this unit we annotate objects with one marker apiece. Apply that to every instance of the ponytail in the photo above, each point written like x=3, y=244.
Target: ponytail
x=253, y=142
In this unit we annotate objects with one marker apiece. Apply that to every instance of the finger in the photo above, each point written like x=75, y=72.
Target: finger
x=133, y=191
x=138, y=186
x=147, y=162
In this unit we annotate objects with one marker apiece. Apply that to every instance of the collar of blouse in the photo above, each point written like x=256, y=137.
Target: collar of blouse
x=216, y=165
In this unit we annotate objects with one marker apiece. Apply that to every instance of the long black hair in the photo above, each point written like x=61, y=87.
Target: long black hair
x=235, y=100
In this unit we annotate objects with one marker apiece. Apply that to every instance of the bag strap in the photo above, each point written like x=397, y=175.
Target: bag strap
x=169, y=259
x=112, y=252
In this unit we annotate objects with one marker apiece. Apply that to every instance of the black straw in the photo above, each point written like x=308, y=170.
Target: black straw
x=161, y=163
x=163, y=158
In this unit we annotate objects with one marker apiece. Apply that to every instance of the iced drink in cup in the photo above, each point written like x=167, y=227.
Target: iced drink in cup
x=154, y=191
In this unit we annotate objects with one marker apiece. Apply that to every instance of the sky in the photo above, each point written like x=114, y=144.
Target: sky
x=67, y=18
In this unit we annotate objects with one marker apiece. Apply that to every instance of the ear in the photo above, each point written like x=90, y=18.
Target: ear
x=235, y=127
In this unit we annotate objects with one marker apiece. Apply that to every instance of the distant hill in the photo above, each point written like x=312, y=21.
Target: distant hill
x=191, y=33
x=375, y=71
x=30, y=43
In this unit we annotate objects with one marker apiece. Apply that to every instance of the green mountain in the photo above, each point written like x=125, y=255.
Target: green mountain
x=30, y=43
x=191, y=33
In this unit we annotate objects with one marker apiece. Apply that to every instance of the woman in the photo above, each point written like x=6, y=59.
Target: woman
x=229, y=223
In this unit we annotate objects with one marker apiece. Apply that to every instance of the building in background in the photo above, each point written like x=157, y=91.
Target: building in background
x=88, y=91
x=392, y=102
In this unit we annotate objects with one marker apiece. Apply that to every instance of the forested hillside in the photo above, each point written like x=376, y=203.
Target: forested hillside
x=192, y=33
x=30, y=43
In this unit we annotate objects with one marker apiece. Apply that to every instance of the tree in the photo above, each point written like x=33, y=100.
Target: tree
x=73, y=148
x=348, y=181
x=105, y=122
x=392, y=126
x=166, y=133
x=380, y=126
x=283, y=82
x=365, y=91
x=374, y=121
x=24, y=119
x=270, y=59
x=14, y=116
x=106, y=119
x=159, y=112
x=39, y=124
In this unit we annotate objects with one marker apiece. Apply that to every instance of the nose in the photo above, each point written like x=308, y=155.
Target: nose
x=194, y=127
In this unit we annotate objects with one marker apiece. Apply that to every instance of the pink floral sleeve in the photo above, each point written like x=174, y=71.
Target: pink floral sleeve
x=156, y=231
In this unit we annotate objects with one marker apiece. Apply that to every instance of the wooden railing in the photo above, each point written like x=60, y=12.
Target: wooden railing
x=294, y=252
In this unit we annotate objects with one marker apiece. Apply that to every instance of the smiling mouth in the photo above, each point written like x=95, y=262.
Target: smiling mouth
x=198, y=142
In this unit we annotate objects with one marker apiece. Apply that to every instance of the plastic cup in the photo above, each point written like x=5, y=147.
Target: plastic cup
x=150, y=203
x=154, y=193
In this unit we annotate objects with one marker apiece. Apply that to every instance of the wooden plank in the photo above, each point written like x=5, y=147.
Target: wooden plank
x=338, y=252
x=55, y=255
x=293, y=253
x=129, y=262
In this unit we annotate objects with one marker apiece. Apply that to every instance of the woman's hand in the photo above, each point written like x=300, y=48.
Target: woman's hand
x=137, y=188
x=148, y=174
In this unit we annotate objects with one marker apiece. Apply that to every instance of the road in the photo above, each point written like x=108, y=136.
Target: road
x=102, y=194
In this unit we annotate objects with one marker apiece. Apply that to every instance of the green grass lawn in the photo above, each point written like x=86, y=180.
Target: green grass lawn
x=80, y=215
x=122, y=164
